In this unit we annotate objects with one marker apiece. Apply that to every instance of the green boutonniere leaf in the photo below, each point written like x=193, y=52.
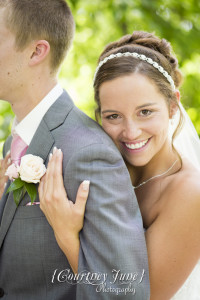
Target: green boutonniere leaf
x=18, y=189
x=15, y=185
x=18, y=194
x=31, y=190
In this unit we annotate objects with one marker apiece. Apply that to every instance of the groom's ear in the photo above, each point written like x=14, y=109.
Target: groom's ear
x=40, y=51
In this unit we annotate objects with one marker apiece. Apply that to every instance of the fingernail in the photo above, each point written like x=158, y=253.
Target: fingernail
x=50, y=156
x=86, y=184
x=54, y=150
x=9, y=161
x=8, y=152
x=59, y=151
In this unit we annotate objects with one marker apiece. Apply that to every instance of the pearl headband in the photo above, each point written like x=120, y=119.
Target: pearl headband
x=138, y=56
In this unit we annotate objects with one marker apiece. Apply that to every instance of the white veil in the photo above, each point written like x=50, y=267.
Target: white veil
x=187, y=142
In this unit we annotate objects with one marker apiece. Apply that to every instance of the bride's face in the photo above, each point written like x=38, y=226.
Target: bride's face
x=136, y=116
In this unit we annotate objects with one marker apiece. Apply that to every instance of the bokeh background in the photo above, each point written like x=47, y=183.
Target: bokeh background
x=99, y=22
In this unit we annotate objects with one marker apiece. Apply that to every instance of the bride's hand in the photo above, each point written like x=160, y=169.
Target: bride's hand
x=4, y=164
x=65, y=217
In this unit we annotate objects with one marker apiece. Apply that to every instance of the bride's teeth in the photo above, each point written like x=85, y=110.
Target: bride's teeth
x=137, y=145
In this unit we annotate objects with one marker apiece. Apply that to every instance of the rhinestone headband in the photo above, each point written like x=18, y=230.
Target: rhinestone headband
x=138, y=56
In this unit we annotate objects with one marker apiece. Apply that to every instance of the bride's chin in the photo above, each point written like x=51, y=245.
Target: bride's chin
x=135, y=162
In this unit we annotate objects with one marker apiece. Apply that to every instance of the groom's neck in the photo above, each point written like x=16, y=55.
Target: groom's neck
x=32, y=94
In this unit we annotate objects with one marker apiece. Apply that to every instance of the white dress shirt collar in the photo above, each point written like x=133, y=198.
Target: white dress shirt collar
x=28, y=126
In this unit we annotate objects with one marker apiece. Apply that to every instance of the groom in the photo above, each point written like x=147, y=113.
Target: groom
x=35, y=36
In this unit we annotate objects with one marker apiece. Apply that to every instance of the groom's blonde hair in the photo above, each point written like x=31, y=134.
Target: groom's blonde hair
x=50, y=20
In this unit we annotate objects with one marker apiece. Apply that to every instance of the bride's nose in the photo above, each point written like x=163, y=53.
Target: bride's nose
x=131, y=130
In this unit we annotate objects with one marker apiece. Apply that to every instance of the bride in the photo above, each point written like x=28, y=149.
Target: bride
x=136, y=90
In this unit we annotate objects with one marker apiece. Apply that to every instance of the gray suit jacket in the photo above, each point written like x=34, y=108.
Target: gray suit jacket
x=112, y=253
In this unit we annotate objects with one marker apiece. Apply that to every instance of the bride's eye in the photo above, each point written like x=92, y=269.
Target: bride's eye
x=112, y=117
x=145, y=112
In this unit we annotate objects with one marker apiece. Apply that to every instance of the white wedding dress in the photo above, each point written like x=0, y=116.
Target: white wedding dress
x=190, y=290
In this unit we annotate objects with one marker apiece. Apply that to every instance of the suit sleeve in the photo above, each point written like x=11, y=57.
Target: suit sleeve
x=113, y=253
x=6, y=146
x=4, y=151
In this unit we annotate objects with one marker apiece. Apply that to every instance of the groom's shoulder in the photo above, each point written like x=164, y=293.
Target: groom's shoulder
x=85, y=129
x=73, y=130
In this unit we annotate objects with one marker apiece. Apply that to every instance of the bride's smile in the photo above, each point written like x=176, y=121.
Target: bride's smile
x=136, y=145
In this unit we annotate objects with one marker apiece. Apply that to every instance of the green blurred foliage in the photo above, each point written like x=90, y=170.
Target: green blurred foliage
x=99, y=22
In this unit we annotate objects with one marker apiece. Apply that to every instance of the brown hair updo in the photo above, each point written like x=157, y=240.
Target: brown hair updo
x=159, y=50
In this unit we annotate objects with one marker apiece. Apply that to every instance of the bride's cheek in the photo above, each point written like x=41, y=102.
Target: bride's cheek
x=108, y=128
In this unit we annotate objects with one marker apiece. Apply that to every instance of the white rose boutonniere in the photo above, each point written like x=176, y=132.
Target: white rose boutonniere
x=25, y=177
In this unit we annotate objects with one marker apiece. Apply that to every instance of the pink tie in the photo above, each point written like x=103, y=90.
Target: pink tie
x=18, y=149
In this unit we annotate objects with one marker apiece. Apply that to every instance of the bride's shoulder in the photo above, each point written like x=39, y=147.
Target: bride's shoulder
x=185, y=183
x=189, y=175
x=182, y=196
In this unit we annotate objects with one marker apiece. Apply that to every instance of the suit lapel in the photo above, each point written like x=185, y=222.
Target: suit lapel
x=43, y=140
x=8, y=213
x=3, y=200
x=41, y=145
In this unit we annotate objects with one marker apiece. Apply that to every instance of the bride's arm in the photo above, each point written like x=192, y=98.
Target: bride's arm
x=57, y=209
x=173, y=241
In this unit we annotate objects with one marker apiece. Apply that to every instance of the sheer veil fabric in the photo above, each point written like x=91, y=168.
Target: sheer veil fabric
x=187, y=143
